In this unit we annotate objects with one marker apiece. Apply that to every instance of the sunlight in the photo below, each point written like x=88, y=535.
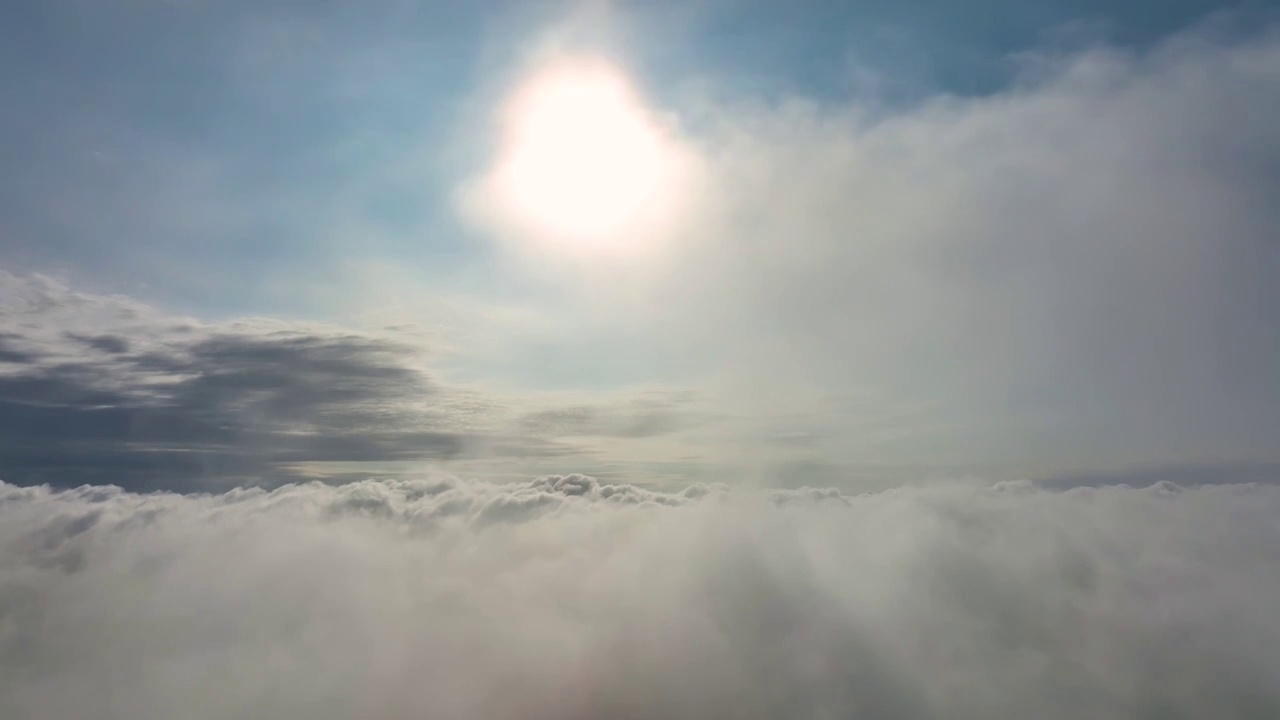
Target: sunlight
x=582, y=157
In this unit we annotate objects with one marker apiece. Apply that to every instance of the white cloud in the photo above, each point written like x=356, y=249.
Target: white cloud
x=564, y=598
x=1081, y=266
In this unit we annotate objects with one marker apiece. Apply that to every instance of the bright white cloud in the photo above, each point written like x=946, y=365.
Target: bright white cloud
x=564, y=598
x=1078, y=269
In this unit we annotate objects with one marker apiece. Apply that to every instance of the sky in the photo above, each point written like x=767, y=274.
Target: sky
x=589, y=359
x=871, y=244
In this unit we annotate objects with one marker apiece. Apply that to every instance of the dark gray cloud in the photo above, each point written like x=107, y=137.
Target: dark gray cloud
x=151, y=403
x=653, y=414
x=566, y=597
x=105, y=343
x=102, y=389
x=1183, y=475
x=10, y=354
x=238, y=406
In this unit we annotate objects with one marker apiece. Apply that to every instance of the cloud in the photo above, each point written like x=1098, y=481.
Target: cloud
x=1081, y=266
x=651, y=414
x=1084, y=264
x=145, y=397
x=104, y=343
x=1184, y=475
x=104, y=389
x=561, y=598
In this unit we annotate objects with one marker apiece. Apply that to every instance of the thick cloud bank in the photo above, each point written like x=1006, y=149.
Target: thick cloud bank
x=565, y=598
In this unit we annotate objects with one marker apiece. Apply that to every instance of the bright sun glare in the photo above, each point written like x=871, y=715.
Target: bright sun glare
x=582, y=157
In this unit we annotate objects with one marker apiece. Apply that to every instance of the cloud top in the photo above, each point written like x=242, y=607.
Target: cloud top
x=570, y=598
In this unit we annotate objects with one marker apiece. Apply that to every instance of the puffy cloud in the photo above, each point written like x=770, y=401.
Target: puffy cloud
x=1081, y=266
x=460, y=599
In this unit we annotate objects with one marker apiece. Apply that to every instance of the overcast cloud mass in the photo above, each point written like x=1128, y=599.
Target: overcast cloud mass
x=625, y=360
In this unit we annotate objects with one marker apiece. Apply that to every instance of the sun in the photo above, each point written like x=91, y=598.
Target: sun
x=581, y=156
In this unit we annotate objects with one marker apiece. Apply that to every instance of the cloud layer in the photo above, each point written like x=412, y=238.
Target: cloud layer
x=567, y=598
x=103, y=389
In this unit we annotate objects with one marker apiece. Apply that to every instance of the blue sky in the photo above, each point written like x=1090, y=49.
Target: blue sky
x=1020, y=238
x=273, y=109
